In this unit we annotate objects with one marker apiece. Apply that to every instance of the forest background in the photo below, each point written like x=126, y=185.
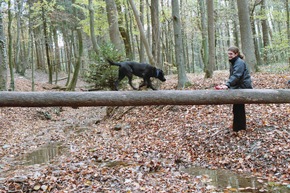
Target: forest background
x=75, y=36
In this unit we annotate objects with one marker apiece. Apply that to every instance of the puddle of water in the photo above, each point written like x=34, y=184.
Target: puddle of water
x=224, y=179
x=44, y=154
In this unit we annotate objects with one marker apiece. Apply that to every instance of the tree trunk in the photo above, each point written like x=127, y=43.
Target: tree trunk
x=11, y=66
x=74, y=80
x=57, y=54
x=19, y=5
x=30, y=46
x=124, y=31
x=211, y=40
x=233, y=6
x=137, y=98
x=3, y=56
x=114, y=32
x=142, y=33
x=246, y=34
x=142, y=49
x=92, y=28
x=46, y=46
x=182, y=78
x=204, y=34
x=288, y=30
x=155, y=31
x=265, y=31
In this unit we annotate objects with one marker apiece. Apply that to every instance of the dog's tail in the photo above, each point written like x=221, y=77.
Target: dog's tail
x=112, y=62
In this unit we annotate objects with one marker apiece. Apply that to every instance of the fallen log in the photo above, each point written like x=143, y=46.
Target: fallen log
x=141, y=98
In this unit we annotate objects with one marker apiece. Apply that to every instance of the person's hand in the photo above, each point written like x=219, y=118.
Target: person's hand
x=221, y=87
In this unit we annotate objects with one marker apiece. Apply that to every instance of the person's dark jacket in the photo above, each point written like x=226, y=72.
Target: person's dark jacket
x=240, y=77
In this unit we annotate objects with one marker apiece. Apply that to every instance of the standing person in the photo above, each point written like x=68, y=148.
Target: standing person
x=239, y=78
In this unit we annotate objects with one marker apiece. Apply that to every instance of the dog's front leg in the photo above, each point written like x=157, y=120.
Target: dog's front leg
x=130, y=82
x=149, y=84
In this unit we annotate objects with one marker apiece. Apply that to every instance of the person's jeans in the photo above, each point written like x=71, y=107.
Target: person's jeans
x=239, y=122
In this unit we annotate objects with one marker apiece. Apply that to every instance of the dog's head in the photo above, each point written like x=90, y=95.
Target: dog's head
x=160, y=75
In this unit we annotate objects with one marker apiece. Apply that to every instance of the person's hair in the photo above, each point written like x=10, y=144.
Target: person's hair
x=236, y=50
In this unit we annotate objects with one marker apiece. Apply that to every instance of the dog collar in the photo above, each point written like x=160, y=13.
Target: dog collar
x=157, y=73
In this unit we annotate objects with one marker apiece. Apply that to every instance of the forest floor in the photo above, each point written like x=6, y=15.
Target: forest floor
x=148, y=148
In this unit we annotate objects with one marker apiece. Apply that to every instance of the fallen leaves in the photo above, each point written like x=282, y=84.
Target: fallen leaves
x=145, y=148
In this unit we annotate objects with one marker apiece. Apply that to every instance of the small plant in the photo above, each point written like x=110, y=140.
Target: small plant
x=101, y=73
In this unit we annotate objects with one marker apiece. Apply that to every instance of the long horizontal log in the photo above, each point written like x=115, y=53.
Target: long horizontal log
x=141, y=98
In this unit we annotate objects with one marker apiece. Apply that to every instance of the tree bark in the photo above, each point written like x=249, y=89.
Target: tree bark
x=74, y=80
x=288, y=30
x=46, y=46
x=137, y=98
x=211, y=39
x=92, y=28
x=142, y=33
x=114, y=32
x=3, y=56
x=18, y=65
x=182, y=78
x=246, y=34
x=10, y=61
x=203, y=33
x=265, y=31
x=141, y=47
x=155, y=31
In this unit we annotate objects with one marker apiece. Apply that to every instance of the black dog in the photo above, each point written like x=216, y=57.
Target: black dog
x=143, y=70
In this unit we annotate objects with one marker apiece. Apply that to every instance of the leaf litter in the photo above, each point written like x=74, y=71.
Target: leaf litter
x=148, y=148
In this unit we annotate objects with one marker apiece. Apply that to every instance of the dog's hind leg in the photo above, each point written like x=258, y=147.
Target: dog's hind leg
x=120, y=77
x=142, y=84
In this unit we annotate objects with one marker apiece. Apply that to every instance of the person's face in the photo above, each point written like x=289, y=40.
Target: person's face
x=231, y=55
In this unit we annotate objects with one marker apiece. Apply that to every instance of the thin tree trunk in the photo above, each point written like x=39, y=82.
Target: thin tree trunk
x=233, y=6
x=57, y=55
x=265, y=31
x=142, y=50
x=155, y=31
x=3, y=56
x=73, y=82
x=204, y=33
x=182, y=78
x=92, y=28
x=211, y=40
x=288, y=30
x=11, y=66
x=46, y=46
x=142, y=33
